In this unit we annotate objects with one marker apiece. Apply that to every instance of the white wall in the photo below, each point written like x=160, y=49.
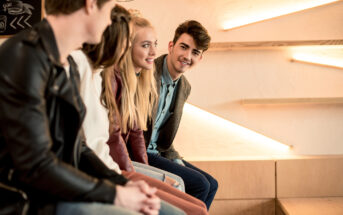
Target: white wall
x=323, y=22
x=223, y=78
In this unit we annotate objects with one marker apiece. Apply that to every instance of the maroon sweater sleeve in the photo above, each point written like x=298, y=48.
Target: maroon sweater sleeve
x=118, y=150
x=137, y=144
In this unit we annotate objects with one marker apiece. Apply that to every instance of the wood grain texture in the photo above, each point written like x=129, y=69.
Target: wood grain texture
x=309, y=178
x=324, y=100
x=311, y=206
x=270, y=44
x=243, y=207
x=242, y=179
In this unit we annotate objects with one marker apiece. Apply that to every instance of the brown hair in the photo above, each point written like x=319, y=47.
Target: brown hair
x=197, y=31
x=55, y=7
x=108, y=53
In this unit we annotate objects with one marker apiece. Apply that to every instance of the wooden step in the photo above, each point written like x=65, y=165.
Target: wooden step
x=310, y=206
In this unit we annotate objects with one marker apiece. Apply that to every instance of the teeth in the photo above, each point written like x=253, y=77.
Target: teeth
x=149, y=60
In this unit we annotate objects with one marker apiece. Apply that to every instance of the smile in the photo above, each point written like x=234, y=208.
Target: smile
x=185, y=63
x=150, y=60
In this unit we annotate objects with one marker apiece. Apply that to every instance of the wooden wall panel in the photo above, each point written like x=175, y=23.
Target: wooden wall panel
x=243, y=207
x=242, y=179
x=311, y=206
x=309, y=178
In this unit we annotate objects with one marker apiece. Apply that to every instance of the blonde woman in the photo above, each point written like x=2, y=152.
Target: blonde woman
x=135, y=99
x=136, y=96
x=95, y=91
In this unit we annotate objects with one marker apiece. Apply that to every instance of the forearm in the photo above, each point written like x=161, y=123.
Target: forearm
x=92, y=164
x=119, y=152
x=138, y=147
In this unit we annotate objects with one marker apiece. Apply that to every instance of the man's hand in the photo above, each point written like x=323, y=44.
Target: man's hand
x=138, y=196
x=143, y=186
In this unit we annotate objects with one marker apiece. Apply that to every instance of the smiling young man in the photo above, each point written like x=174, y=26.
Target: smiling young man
x=190, y=41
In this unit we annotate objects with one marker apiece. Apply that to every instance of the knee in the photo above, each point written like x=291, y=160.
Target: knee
x=214, y=184
x=198, y=183
x=205, y=184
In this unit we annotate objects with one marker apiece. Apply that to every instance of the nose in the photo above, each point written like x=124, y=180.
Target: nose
x=188, y=54
x=152, y=51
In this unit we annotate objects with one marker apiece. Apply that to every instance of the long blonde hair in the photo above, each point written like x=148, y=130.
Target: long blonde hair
x=139, y=92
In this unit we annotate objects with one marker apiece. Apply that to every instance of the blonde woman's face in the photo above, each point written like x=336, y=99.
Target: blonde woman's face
x=144, y=48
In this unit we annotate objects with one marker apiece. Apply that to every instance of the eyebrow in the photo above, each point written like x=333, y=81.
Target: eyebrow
x=187, y=46
x=194, y=50
x=149, y=41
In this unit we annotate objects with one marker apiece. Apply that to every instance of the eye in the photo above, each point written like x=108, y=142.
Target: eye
x=196, y=53
x=183, y=47
x=145, y=45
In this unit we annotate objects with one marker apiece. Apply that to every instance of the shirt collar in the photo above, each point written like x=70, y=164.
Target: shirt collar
x=166, y=78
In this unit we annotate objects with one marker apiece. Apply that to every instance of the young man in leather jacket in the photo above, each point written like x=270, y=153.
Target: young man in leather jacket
x=42, y=149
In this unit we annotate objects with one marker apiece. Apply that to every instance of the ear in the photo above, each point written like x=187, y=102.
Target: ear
x=90, y=6
x=170, y=46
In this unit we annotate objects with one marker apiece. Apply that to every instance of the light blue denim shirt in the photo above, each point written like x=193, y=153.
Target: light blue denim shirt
x=167, y=98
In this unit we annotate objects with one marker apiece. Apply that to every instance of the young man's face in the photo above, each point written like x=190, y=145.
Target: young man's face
x=100, y=19
x=184, y=54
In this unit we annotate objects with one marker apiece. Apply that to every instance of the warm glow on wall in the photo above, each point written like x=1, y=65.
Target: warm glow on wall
x=244, y=133
x=317, y=59
x=271, y=9
x=326, y=56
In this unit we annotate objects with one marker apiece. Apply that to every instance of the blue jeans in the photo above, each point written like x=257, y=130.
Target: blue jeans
x=87, y=208
x=198, y=183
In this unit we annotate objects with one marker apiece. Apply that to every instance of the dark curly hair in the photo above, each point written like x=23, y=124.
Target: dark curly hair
x=197, y=31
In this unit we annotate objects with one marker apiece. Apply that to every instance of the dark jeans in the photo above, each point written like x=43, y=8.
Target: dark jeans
x=198, y=183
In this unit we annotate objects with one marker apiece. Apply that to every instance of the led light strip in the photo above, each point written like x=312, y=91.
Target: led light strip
x=265, y=15
x=237, y=129
x=318, y=59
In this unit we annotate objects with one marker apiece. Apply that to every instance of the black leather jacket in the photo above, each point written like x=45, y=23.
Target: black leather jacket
x=41, y=143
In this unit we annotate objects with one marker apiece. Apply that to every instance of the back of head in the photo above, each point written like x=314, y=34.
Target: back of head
x=57, y=7
x=114, y=40
x=196, y=31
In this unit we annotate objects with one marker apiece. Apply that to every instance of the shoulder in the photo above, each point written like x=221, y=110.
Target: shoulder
x=25, y=44
x=23, y=60
x=159, y=63
x=186, y=86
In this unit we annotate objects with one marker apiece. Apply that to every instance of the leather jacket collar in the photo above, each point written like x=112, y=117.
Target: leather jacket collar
x=49, y=42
